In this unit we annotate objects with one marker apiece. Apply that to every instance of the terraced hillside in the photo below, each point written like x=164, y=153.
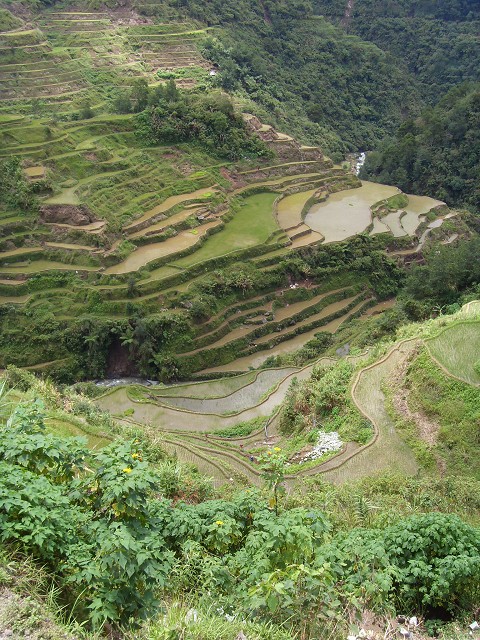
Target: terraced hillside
x=123, y=252
x=224, y=424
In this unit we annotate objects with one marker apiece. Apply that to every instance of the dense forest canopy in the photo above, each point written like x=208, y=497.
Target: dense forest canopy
x=436, y=41
x=437, y=153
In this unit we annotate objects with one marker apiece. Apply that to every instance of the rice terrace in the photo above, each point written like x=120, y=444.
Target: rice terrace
x=239, y=299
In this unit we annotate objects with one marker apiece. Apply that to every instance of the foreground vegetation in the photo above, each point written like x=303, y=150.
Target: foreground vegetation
x=104, y=523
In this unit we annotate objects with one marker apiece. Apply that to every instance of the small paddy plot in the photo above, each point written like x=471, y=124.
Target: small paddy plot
x=164, y=224
x=280, y=314
x=334, y=307
x=208, y=389
x=289, y=209
x=43, y=265
x=392, y=220
x=417, y=207
x=346, y=213
x=379, y=308
x=70, y=247
x=119, y=401
x=171, y=202
x=410, y=222
x=251, y=225
x=309, y=238
x=13, y=300
x=35, y=173
x=379, y=227
x=287, y=346
x=149, y=252
x=387, y=451
x=13, y=253
x=457, y=350
x=93, y=227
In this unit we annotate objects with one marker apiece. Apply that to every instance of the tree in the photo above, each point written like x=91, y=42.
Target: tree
x=139, y=95
x=15, y=190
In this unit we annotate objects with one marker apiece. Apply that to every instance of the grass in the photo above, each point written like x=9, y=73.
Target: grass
x=251, y=225
x=455, y=407
x=457, y=349
x=210, y=624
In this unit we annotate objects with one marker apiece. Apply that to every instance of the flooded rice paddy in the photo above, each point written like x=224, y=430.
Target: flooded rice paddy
x=149, y=252
x=289, y=209
x=346, y=213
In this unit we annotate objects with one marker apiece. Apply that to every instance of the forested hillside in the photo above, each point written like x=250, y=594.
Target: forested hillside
x=436, y=41
x=437, y=153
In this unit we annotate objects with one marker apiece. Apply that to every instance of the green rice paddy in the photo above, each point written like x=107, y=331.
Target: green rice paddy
x=457, y=350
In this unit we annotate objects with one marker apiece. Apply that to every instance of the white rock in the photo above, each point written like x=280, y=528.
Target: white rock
x=326, y=442
x=413, y=622
x=191, y=616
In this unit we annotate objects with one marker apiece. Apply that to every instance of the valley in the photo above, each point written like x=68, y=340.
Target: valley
x=239, y=322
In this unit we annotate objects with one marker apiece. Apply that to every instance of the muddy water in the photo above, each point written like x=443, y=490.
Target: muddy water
x=169, y=203
x=410, y=222
x=305, y=240
x=417, y=206
x=421, y=204
x=239, y=400
x=289, y=209
x=392, y=220
x=347, y=213
x=379, y=227
x=93, y=226
x=145, y=254
x=72, y=247
x=169, y=418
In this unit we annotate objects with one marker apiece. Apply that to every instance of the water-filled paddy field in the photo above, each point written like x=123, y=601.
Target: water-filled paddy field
x=149, y=252
x=347, y=213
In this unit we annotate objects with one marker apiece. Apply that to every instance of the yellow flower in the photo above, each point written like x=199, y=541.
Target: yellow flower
x=219, y=522
x=127, y=470
x=276, y=449
x=135, y=456
x=269, y=453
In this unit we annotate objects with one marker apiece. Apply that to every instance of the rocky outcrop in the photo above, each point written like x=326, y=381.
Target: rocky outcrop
x=76, y=215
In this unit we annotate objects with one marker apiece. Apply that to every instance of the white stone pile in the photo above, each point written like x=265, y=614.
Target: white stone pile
x=326, y=442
